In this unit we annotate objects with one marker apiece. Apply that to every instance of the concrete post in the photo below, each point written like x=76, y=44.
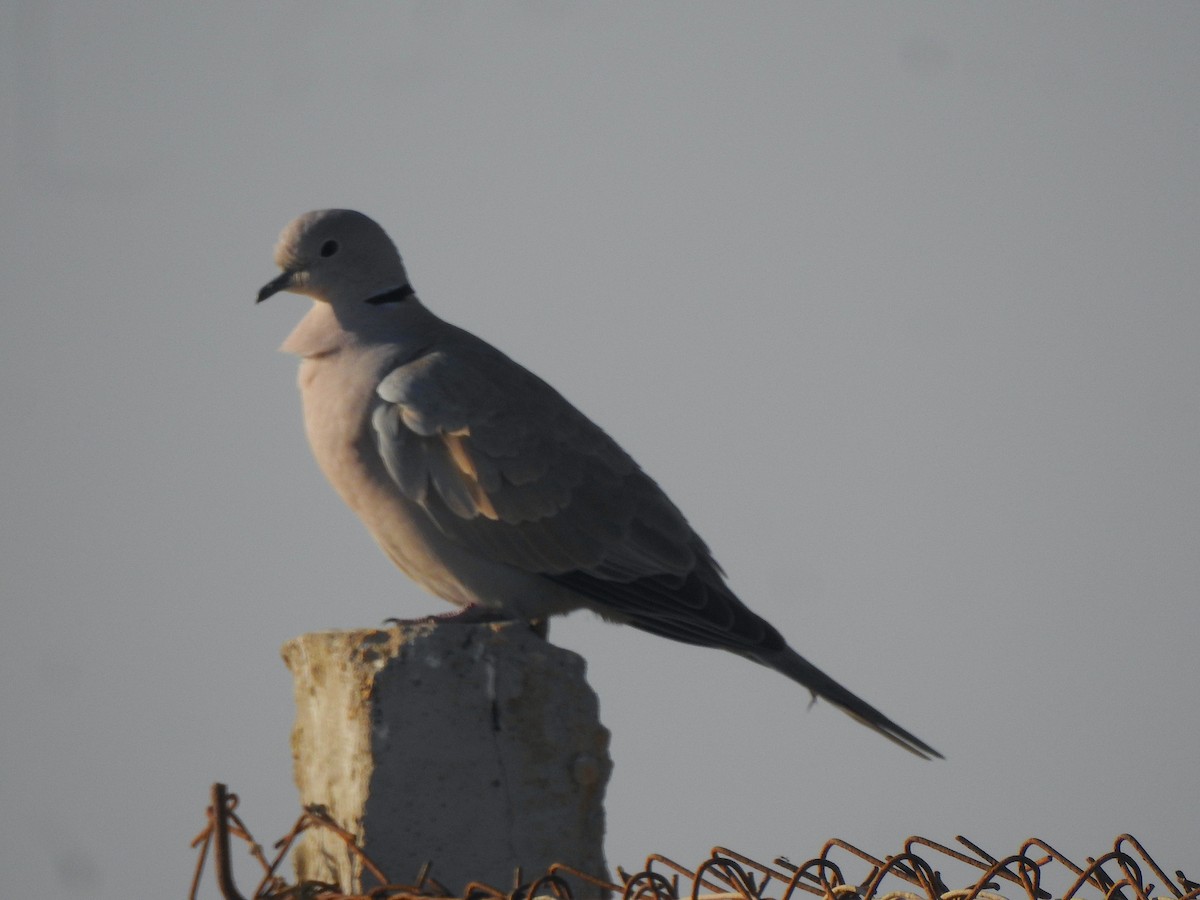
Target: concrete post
x=476, y=747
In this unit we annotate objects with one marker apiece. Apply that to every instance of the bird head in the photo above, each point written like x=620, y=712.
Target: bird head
x=336, y=255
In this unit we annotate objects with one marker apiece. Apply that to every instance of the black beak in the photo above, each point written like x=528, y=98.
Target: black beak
x=282, y=283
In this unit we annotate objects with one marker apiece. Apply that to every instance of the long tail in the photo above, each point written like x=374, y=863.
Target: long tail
x=702, y=611
x=796, y=667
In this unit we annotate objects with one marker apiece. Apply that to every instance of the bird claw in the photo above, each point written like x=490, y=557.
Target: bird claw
x=473, y=615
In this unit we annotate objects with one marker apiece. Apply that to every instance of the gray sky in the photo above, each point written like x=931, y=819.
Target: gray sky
x=898, y=302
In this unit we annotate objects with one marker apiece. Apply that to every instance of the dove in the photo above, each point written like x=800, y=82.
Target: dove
x=485, y=485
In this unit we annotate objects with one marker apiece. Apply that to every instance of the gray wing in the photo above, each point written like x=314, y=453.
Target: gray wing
x=506, y=467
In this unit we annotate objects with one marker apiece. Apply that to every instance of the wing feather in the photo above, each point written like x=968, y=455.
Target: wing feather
x=506, y=467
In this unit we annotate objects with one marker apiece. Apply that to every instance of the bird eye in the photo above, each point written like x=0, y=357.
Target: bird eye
x=329, y=248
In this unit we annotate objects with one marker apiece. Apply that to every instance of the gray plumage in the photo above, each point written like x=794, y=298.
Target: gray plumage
x=481, y=482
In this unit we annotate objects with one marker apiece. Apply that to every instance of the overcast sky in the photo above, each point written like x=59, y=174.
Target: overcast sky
x=898, y=302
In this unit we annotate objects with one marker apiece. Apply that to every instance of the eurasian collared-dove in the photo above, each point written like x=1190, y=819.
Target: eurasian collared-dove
x=482, y=483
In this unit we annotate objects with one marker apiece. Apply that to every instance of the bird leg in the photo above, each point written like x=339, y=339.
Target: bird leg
x=476, y=614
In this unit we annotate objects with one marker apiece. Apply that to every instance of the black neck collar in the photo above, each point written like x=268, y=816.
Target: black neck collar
x=397, y=295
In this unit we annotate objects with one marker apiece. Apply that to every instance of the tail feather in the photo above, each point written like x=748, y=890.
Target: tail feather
x=699, y=609
x=790, y=663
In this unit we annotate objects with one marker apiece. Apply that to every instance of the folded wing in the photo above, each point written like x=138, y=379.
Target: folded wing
x=509, y=469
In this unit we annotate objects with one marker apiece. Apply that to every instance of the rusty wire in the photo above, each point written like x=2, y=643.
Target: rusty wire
x=912, y=874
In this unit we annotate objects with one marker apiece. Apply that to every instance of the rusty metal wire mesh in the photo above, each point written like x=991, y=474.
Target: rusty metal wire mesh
x=1126, y=872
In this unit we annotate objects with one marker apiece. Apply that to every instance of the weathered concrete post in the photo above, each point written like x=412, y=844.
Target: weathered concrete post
x=475, y=747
